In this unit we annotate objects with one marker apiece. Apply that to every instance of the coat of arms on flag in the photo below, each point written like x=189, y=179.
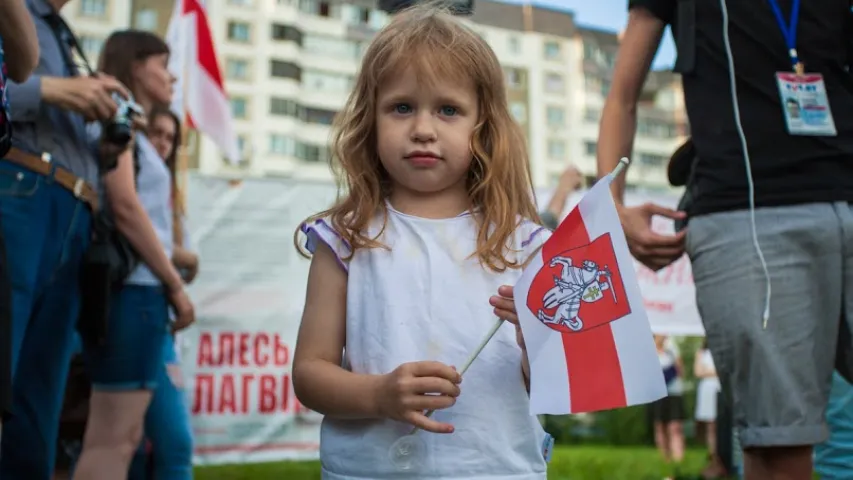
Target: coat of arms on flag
x=581, y=312
x=580, y=288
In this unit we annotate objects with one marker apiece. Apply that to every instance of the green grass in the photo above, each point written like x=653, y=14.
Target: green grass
x=568, y=463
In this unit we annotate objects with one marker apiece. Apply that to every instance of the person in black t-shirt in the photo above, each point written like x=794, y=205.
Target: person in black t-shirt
x=769, y=226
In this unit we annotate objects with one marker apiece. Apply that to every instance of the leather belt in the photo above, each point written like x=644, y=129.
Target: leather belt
x=41, y=165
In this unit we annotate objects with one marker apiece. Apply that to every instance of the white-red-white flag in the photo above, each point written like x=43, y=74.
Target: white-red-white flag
x=580, y=308
x=200, y=95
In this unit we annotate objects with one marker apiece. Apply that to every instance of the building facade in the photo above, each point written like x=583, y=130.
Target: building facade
x=290, y=64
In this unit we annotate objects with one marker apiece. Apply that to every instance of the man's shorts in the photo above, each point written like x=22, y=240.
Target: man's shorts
x=778, y=377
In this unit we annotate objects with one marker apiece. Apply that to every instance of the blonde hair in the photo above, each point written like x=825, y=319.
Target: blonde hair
x=438, y=46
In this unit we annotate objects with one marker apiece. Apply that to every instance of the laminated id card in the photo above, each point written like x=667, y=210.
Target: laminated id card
x=805, y=105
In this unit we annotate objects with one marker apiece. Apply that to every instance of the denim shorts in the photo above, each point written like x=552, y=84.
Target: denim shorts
x=132, y=356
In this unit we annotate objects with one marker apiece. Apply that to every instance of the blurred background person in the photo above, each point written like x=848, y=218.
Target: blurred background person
x=668, y=412
x=126, y=370
x=834, y=457
x=706, y=406
x=570, y=181
x=167, y=422
x=19, y=55
x=48, y=193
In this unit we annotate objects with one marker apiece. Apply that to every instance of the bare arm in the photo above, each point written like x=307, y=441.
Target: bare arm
x=19, y=39
x=133, y=222
x=619, y=116
x=319, y=381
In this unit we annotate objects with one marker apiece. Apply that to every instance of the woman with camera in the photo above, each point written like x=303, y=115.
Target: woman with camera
x=125, y=369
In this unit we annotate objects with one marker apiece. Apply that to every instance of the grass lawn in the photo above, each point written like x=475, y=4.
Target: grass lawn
x=568, y=463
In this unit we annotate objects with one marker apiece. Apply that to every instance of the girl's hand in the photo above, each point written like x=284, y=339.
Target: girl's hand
x=413, y=388
x=505, y=308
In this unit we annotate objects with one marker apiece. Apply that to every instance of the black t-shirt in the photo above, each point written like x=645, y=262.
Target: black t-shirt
x=787, y=169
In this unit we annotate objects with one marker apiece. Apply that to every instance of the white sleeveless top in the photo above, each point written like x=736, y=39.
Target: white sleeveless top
x=426, y=300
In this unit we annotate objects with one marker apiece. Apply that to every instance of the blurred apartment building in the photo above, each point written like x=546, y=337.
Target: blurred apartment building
x=289, y=66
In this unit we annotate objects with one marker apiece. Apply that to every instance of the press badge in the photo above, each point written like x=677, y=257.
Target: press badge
x=805, y=104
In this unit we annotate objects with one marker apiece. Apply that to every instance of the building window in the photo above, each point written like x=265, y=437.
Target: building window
x=93, y=8
x=514, y=45
x=239, y=107
x=91, y=45
x=552, y=50
x=554, y=83
x=312, y=153
x=286, y=33
x=556, y=116
x=146, y=19
x=280, y=69
x=284, y=107
x=240, y=3
x=319, y=115
x=326, y=82
x=592, y=115
x=556, y=149
x=591, y=148
x=514, y=78
x=315, y=7
x=239, y=31
x=654, y=161
x=332, y=47
x=237, y=69
x=282, y=145
x=518, y=111
x=356, y=15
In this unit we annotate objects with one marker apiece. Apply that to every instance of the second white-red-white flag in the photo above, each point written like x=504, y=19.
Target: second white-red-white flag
x=580, y=308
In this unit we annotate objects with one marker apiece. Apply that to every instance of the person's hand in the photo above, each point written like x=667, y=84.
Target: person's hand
x=504, y=304
x=652, y=249
x=413, y=388
x=190, y=268
x=90, y=96
x=184, y=310
x=570, y=180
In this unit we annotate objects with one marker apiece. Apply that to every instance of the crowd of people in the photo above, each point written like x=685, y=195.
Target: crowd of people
x=97, y=255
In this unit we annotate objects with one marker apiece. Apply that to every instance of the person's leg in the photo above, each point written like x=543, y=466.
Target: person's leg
x=834, y=458
x=778, y=376
x=124, y=373
x=167, y=422
x=45, y=339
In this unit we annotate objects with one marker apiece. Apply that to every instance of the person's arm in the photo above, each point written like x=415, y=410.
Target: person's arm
x=699, y=370
x=133, y=222
x=619, y=116
x=20, y=42
x=319, y=381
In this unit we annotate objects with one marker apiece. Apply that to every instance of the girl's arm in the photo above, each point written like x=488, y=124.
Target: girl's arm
x=133, y=222
x=319, y=381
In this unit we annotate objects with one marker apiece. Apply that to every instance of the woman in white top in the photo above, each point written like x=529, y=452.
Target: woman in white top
x=415, y=263
x=706, y=405
x=668, y=412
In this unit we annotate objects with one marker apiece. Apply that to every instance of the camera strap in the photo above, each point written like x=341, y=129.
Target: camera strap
x=69, y=46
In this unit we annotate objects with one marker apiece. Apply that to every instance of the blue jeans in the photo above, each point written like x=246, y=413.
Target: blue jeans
x=833, y=458
x=47, y=232
x=167, y=423
x=132, y=356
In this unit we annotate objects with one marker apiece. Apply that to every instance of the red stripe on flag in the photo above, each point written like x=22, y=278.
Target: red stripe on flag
x=204, y=42
x=592, y=361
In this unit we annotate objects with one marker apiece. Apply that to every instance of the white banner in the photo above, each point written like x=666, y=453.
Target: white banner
x=249, y=296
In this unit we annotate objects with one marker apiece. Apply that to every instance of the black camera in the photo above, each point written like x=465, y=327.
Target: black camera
x=118, y=129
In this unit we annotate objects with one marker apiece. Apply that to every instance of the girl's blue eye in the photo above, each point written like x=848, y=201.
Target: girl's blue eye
x=402, y=108
x=449, y=111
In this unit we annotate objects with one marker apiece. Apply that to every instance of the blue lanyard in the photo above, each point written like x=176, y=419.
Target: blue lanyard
x=789, y=29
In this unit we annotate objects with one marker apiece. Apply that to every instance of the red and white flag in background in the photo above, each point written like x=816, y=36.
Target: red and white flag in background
x=200, y=95
x=588, y=338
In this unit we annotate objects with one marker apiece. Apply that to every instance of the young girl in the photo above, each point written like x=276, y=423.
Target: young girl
x=414, y=263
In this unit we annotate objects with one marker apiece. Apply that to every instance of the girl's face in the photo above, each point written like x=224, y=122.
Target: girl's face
x=423, y=135
x=153, y=80
x=161, y=133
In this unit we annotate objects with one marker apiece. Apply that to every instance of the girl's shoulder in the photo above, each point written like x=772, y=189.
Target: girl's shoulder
x=320, y=230
x=529, y=238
